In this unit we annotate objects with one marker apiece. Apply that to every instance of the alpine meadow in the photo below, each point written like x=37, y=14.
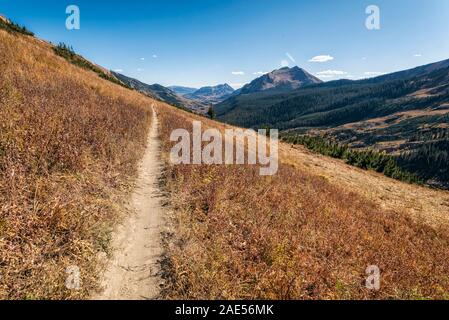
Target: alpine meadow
x=202, y=153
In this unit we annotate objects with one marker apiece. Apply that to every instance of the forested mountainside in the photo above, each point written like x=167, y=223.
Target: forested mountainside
x=406, y=117
x=161, y=93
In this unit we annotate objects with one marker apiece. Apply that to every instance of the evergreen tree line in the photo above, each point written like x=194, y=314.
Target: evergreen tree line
x=365, y=159
x=15, y=28
x=431, y=159
x=335, y=103
x=68, y=53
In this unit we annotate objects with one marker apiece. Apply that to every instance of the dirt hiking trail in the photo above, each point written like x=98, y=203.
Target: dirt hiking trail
x=133, y=271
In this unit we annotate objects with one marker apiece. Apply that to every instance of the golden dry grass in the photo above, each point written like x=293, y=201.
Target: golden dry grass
x=424, y=205
x=69, y=144
x=297, y=235
x=387, y=121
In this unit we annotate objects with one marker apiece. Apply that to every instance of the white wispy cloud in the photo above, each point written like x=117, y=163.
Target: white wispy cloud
x=143, y=59
x=418, y=55
x=284, y=63
x=259, y=73
x=331, y=73
x=322, y=58
x=154, y=56
x=326, y=76
x=118, y=70
x=238, y=73
x=139, y=69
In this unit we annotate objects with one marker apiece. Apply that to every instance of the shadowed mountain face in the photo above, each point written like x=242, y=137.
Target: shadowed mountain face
x=85, y=172
x=415, y=72
x=162, y=93
x=284, y=79
x=338, y=102
x=212, y=95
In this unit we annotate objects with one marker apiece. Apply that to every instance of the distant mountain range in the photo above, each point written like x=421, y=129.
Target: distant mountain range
x=282, y=80
x=208, y=95
x=212, y=95
x=198, y=100
x=285, y=79
x=415, y=72
x=404, y=113
x=259, y=106
x=162, y=93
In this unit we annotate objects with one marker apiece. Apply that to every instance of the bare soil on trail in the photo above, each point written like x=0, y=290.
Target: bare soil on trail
x=133, y=272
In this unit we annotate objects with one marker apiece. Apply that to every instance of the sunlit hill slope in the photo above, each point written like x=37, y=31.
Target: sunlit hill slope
x=69, y=145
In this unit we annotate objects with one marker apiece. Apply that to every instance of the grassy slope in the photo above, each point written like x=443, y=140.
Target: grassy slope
x=307, y=233
x=336, y=103
x=69, y=144
x=398, y=117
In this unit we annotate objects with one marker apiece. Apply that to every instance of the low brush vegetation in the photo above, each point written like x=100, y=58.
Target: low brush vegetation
x=237, y=235
x=70, y=55
x=365, y=159
x=69, y=146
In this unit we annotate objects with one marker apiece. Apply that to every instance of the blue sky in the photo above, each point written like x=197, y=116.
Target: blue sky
x=200, y=42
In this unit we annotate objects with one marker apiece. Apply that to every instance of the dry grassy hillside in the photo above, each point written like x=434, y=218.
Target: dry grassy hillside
x=302, y=234
x=69, y=144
